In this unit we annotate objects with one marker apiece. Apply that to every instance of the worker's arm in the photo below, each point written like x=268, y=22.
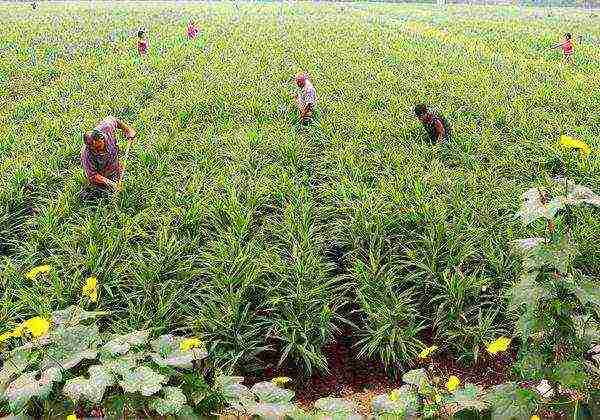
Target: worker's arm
x=440, y=130
x=102, y=180
x=128, y=132
x=97, y=178
x=559, y=45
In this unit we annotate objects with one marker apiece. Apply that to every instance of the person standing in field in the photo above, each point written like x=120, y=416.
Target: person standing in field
x=100, y=153
x=192, y=30
x=567, y=47
x=306, y=99
x=435, y=124
x=142, y=43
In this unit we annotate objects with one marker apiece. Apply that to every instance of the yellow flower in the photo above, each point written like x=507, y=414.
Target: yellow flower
x=37, y=326
x=535, y=417
x=499, y=345
x=425, y=353
x=18, y=332
x=280, y=380
x=569, y=142
x=453, y=383
x=34, y=272
x=395, y=395
x=71, y=417
x=90, y=288
x=190, y=343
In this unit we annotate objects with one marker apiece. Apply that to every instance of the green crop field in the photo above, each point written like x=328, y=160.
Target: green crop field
x=267, y=239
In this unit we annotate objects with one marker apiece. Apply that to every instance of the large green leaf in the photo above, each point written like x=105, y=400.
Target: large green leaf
x=403, y=401
x=167, y=353
x=267, y=392
x=271, y=410
x=416, y=377
x=532, y=207
x=171, y=402
x=468, y=398
x=71, y=345
x=143, y=380
x=528, y=292
x=335, y=406
x=91, y=389
x=587, y=328
x=122, y=365
x=531, y=365
x=26, y=386
x=528, y=323
x=13, y=367
x=571, y=374
x=73, y=315
x=555, y=256
x=122, y=343
x=578, y=194
x=524, y=246
x=510, y=402
x=232, y=389
x=587, y=291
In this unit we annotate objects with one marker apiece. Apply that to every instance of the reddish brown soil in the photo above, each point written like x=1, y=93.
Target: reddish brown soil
x=361, y=380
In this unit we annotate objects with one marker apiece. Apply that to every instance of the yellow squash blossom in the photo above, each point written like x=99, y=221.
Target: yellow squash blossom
x=6, y=336
x=425, y=353
x=453, y=383
x=71, y=417
x=535, y=417
x=280, y=380
x=395, y=395
x=90, y=289
x=37, y=326
x=499, y=345
x=34, y=272
x=18, y=332
x=569, y=142
x=190, y=343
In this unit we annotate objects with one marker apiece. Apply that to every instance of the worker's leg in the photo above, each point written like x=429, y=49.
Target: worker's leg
x=307, y=119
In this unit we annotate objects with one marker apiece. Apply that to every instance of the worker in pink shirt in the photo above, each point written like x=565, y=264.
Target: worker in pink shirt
x=142, y=43
x=192, y=30
x=567, y=47
x=306, y=99
x=100, y=153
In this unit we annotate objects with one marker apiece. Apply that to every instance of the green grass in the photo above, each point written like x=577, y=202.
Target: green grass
x=264, y=238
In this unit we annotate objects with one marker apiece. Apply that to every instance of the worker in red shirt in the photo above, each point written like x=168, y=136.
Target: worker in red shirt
x=192, y=30
x=142, y=44
x=435, y=124
x=567, y=46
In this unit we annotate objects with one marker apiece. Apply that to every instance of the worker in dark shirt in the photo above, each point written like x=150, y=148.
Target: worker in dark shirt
x=435, y=124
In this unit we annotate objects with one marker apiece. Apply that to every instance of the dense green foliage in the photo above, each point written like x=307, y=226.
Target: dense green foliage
x=258, y=235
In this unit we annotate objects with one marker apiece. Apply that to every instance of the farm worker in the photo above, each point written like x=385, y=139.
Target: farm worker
x=142, y=44
x=435, y=124
x=306, y=99
x=567, y=47
x=100, y=153
x=192, y=30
